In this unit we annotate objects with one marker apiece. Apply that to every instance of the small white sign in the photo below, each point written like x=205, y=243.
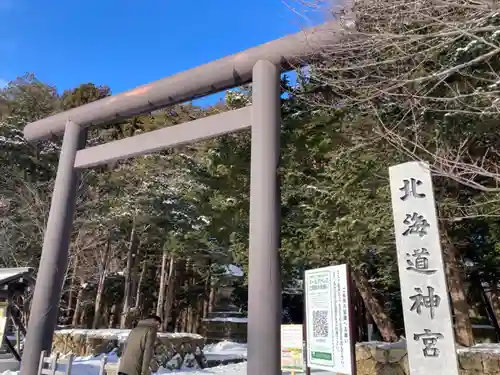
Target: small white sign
x=292, y=347
x=329, y=341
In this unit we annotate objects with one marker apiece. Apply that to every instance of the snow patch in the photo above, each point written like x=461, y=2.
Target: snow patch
x=491, y=348
x=233, y=270
x=401, y=344
x=225, y=350
x=121, y=334
x=228, y=319
x=481, y=348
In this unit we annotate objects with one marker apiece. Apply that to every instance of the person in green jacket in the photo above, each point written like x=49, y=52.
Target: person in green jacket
x=137, y=359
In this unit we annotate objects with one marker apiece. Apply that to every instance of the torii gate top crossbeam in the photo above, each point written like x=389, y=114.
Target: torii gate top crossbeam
x=288, y=52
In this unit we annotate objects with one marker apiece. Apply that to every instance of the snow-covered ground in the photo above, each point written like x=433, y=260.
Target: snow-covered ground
x=227, y=351
x=213, y=352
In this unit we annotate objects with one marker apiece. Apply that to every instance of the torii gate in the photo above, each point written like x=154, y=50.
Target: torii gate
x=261, y=66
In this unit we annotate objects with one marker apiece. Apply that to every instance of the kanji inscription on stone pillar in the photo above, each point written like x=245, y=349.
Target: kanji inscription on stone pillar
x=424, y=292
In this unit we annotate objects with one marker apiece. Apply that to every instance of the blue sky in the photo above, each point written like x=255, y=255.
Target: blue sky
x=124, y=43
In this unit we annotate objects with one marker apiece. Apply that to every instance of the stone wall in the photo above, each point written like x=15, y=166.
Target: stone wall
x=376, y=358
x=81, y=342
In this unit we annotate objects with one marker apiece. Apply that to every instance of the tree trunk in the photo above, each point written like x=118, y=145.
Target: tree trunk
x=148, y=301
x=456, y=288
x=161, y=290
x=493, y=295
x=492, y=298
x=208, y=283
x=169, y=293
x=193, y=306
x=175, y=314
x=206, y=301
x=100, y=286
x=370, y=324
x=138, y=296
x=204, y=310
x=72, y=286
x=104, y=314
x=361, y=315
x=135, y=278
x=376, y=310
x=211, y=296
x=189, y=318
x=199, y=316
x=83, y=318
x=184, y=320
x=132, y=249
x=112, y=316
x=78, y=307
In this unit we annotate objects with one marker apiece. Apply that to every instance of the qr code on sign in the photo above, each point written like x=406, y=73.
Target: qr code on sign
x=320, y=323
